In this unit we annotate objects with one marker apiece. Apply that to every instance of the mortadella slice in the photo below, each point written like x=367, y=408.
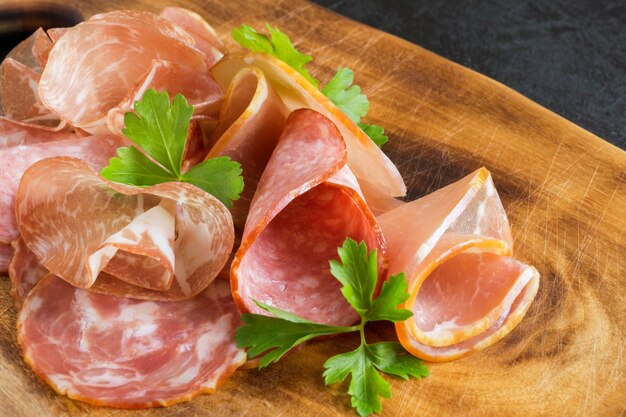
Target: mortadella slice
x=95, y=64
x=466, y=291
x=307, y=203
x=378, y=176
x=165, y=242
x=127, y=353
x=250, y=123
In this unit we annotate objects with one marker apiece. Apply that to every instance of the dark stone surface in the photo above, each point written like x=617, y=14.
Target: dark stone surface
x=567, y=55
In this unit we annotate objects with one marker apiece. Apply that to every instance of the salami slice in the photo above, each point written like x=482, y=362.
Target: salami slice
x=454, y=246
x=250, y=123
x=203, y=34
x=92, y=67
x=306, y=204
x=127, y=353
x=122, y=240
x=30, y=144
x=365, y=159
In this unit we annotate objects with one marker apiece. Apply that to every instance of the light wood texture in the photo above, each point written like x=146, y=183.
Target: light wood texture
x=564, y=190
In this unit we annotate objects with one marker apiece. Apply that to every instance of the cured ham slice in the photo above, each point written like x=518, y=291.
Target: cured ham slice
x=56, y=33
x=251, y=121
x=200, y=90
x=29, y=144
x=24, y=271
x=165, y=242
x=20, y=100
x=91, y=68
x=306, y=203
x=365, y=159
x=6, y=253
x=203, y=34
x=466, y=291
x=127, y=353
x=42, y=45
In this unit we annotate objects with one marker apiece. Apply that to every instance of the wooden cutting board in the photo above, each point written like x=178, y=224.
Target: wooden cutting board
x=564, y=190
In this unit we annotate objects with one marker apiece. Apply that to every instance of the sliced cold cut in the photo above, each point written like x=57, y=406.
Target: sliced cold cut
x=127, y=353
x=122, y=240
x=306, y=204
x=454, y=246
x=24, y=271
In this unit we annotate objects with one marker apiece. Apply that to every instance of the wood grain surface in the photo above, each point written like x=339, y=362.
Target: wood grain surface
x=564, y=190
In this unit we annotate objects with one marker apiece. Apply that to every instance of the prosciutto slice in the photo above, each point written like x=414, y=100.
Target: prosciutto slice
x=20, y=100
x=6, y=253
x=306, y=203
x=127, y=353
x=42, y=45
x=165, y=242
x=23, y=145
x=466, y=291
x=250, y=123
x=24, y=271
x=377, y=175
x=91, y=68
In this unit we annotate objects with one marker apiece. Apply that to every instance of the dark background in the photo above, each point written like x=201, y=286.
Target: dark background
x=569, y=56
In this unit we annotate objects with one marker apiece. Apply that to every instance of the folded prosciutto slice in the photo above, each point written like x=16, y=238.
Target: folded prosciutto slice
x=22, y=144
x=204, y=35
x=466, y=291
x=165, y=242
x=94, y=66
x=377, y=175
x=306, y=203
x=127, y=353
x=251, y=121
x=24, y=271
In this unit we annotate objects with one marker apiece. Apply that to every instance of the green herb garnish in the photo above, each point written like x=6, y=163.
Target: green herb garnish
x=160, y=130
x=271, y=337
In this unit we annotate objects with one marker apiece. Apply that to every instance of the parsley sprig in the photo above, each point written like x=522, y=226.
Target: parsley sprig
x=272, y=337
x=340, y=89
x=160, y=130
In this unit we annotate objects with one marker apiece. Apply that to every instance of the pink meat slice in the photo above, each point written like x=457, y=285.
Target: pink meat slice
x=42, y=45
x=24, y=271
x=32, y=144
x=306, y=204
x=127, y=353
x=250, y=124
x=94, y=65
x=14, y=133
x=6, y=254
x=20, y=100
x=119, y=239
x=200, y=90
x=454, y=246
x=203, y=34
x=56, y=33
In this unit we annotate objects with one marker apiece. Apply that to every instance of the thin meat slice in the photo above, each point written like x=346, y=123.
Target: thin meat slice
x=56, y=33
x=454, y=246
x=94, y=65
x=200, y=90
x=127, y=353
x=20, y=100
x=25, y=271
x=306, y=204
x=250, y=123
x=6, y=253
x=204, y=35
x=365, y=159
x=31, y=144
x=14, y=133
x=118, y=239
x=42, y=45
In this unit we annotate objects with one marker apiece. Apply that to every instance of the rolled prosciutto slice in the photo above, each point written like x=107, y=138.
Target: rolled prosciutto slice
x=127, y=353
x=92, y=67
x=165, y=242
x=21, y=145
x=455, y=247
x=307, y=203
x=250, y=123
x=377, y=175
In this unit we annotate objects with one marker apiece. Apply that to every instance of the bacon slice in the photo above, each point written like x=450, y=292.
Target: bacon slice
x=454, y=246
x=306, y=204
x=25, y=145
x=203, y=34
x=250, y=123
x=118, y=239
x=127, y=353
x=92, y=67
x=24, y=271
x=365, y=159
